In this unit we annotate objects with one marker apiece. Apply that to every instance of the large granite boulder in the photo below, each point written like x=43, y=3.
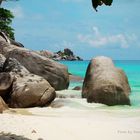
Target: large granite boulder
x=3, y=105
x=46, y=53
x=55, y=73
x=104, y=83
x=6, y=81
x=9, y=40
x=28, y=90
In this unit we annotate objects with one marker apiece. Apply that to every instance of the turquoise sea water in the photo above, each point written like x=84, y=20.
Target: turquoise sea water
x=131, y=68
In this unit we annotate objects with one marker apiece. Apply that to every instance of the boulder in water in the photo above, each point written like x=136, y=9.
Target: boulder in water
x=104, y=83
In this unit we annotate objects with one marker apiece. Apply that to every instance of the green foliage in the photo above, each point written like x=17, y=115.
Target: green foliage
x=96, y=3
x=5, y=21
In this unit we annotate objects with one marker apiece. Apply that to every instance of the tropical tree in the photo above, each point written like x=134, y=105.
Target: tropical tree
x=5, y=22
x=6, y=17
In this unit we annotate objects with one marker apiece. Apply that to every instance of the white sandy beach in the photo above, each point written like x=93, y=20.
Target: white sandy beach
x=73, y=119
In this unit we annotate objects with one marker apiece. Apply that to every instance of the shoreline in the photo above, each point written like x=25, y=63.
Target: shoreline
x=72, y=118
x=71, y=124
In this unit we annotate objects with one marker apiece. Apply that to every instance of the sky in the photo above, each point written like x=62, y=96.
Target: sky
x=53, y=25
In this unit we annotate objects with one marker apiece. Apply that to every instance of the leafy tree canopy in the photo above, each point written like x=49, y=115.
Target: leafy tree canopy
x=96, y=3
x=5, y=21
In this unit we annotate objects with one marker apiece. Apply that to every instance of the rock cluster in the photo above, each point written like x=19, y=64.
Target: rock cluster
x=28, y=79
x=67, y=54
x=55, y=73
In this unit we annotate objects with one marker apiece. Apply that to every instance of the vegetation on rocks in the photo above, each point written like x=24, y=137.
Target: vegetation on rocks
x=6, y=17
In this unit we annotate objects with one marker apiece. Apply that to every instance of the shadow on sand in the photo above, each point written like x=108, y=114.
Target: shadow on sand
x=9, y=136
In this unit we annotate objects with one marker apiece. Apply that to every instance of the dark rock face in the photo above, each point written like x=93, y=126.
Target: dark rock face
x=2, y=60
x=3, y=105
x=28, y=90
x=68, y=52
x=104, y=83
x=55, y=73
x=6, y=81
x=17, y=44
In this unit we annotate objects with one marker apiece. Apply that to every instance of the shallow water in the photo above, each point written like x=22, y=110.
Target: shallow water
x=131, y=68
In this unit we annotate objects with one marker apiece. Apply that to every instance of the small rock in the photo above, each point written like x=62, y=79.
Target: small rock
x=33, y=131
x=77, y=88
